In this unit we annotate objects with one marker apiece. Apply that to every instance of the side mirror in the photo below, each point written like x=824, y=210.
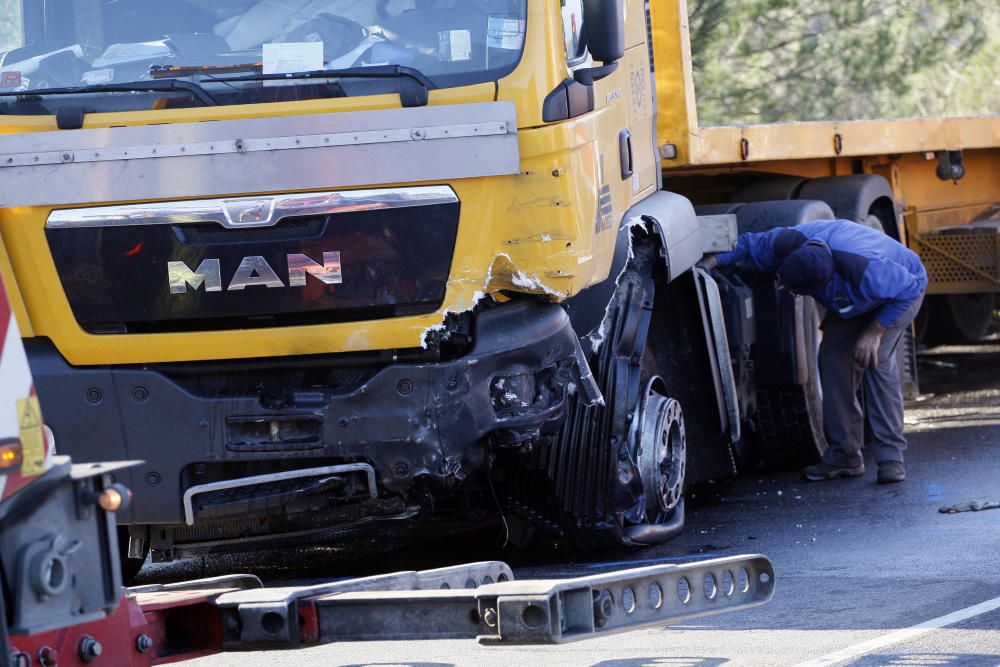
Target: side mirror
x=604, y=24
x=604, y=27
x=604, y=21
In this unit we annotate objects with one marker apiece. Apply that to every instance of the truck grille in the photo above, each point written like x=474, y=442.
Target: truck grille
x=260, y=262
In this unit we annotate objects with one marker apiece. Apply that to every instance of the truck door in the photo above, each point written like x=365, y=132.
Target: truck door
x=626, y=128
x=640, y=99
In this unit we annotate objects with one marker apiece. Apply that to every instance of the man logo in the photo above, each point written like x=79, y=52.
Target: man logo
x=253, y=271
x=249, y=212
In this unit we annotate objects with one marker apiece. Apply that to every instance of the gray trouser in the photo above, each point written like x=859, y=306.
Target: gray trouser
x=841, y=376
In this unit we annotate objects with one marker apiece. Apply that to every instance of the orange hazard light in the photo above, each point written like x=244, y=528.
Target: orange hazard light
x=10, y=456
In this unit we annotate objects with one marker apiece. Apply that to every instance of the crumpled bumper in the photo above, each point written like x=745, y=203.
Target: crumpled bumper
x=408, y=421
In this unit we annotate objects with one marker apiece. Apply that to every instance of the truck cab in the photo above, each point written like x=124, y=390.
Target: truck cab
x=326, y=266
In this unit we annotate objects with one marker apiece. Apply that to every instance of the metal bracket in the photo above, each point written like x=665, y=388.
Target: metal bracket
x=240, y=581
x=270, y=617
x=552, y=611
x=473, y=601
x=710, y=291
x=482, y=601
x=188, y=500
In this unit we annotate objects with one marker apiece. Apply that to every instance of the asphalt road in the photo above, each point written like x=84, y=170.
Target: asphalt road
x=865, y=573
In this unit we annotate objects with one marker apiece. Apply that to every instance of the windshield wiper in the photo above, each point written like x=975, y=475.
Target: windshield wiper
x=410, y=96
x=169, y=85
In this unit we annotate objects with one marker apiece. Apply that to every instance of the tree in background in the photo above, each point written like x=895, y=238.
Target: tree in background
x=760, y=61
x=10, y=24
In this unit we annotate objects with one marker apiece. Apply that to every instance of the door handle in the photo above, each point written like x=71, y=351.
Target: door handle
x=625, y=153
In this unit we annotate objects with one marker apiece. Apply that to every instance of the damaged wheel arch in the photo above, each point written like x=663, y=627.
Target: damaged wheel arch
x=588, y=484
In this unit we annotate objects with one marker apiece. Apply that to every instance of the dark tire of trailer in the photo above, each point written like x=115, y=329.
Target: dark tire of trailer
x=789, y=419
x=956, y=319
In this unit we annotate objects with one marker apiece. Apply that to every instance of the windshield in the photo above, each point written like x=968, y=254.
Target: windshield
x=69, y=43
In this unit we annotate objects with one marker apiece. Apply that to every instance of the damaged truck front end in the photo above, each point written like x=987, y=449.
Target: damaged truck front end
x=302, y=365
x=363, y=297
x=243, y=453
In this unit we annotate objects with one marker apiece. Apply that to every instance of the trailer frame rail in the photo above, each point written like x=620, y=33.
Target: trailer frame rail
x=162, y=624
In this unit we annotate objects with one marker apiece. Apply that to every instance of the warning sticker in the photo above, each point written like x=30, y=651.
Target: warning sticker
x=504, y=32
x=454, y=46
x=10, y=79
x=29, y=419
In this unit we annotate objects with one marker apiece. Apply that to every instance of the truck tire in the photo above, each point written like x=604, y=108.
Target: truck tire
x=770, y=189
x=958, y=319
x=859, y=197
x=790, y=416
x=614, y=474
x=626, y=506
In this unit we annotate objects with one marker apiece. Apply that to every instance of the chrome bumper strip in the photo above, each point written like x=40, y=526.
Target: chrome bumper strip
x=246, y=212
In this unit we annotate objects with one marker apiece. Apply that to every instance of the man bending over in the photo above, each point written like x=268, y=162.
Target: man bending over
x=872, y=287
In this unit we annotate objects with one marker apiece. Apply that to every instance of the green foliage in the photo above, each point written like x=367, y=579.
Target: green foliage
x=10, y=24
x=761, y=61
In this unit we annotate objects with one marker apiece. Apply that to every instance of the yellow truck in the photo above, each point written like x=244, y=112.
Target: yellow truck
x=337, y=269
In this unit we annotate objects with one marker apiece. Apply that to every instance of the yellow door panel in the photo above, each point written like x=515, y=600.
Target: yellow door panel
x=645, y=161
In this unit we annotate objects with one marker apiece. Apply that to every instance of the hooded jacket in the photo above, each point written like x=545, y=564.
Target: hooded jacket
x=872, y=271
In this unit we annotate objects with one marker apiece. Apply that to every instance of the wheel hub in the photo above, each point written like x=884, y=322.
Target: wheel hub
x=662, y=451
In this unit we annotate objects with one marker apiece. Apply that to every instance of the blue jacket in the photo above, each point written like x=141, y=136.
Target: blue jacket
x=872, y=271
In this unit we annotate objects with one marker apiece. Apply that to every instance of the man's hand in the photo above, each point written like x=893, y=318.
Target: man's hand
x=708, y=262
x=866, y=349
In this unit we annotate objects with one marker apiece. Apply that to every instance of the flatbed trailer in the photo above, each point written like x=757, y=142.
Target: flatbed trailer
x=167, y=623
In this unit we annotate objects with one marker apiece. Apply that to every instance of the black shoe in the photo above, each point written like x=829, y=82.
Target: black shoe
x=890, y=472
x=824, y=471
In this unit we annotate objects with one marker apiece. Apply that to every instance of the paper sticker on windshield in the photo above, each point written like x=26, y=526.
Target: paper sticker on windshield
x=96, y=76
x=11, y=80
x=293, y=57
x=504, y=32
x=454, y=46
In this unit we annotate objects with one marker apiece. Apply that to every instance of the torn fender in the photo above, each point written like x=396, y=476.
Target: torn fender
x=673, y=218
x=666, y=214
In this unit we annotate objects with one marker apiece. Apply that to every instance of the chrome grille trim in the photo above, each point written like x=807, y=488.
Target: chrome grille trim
x=250, y=212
